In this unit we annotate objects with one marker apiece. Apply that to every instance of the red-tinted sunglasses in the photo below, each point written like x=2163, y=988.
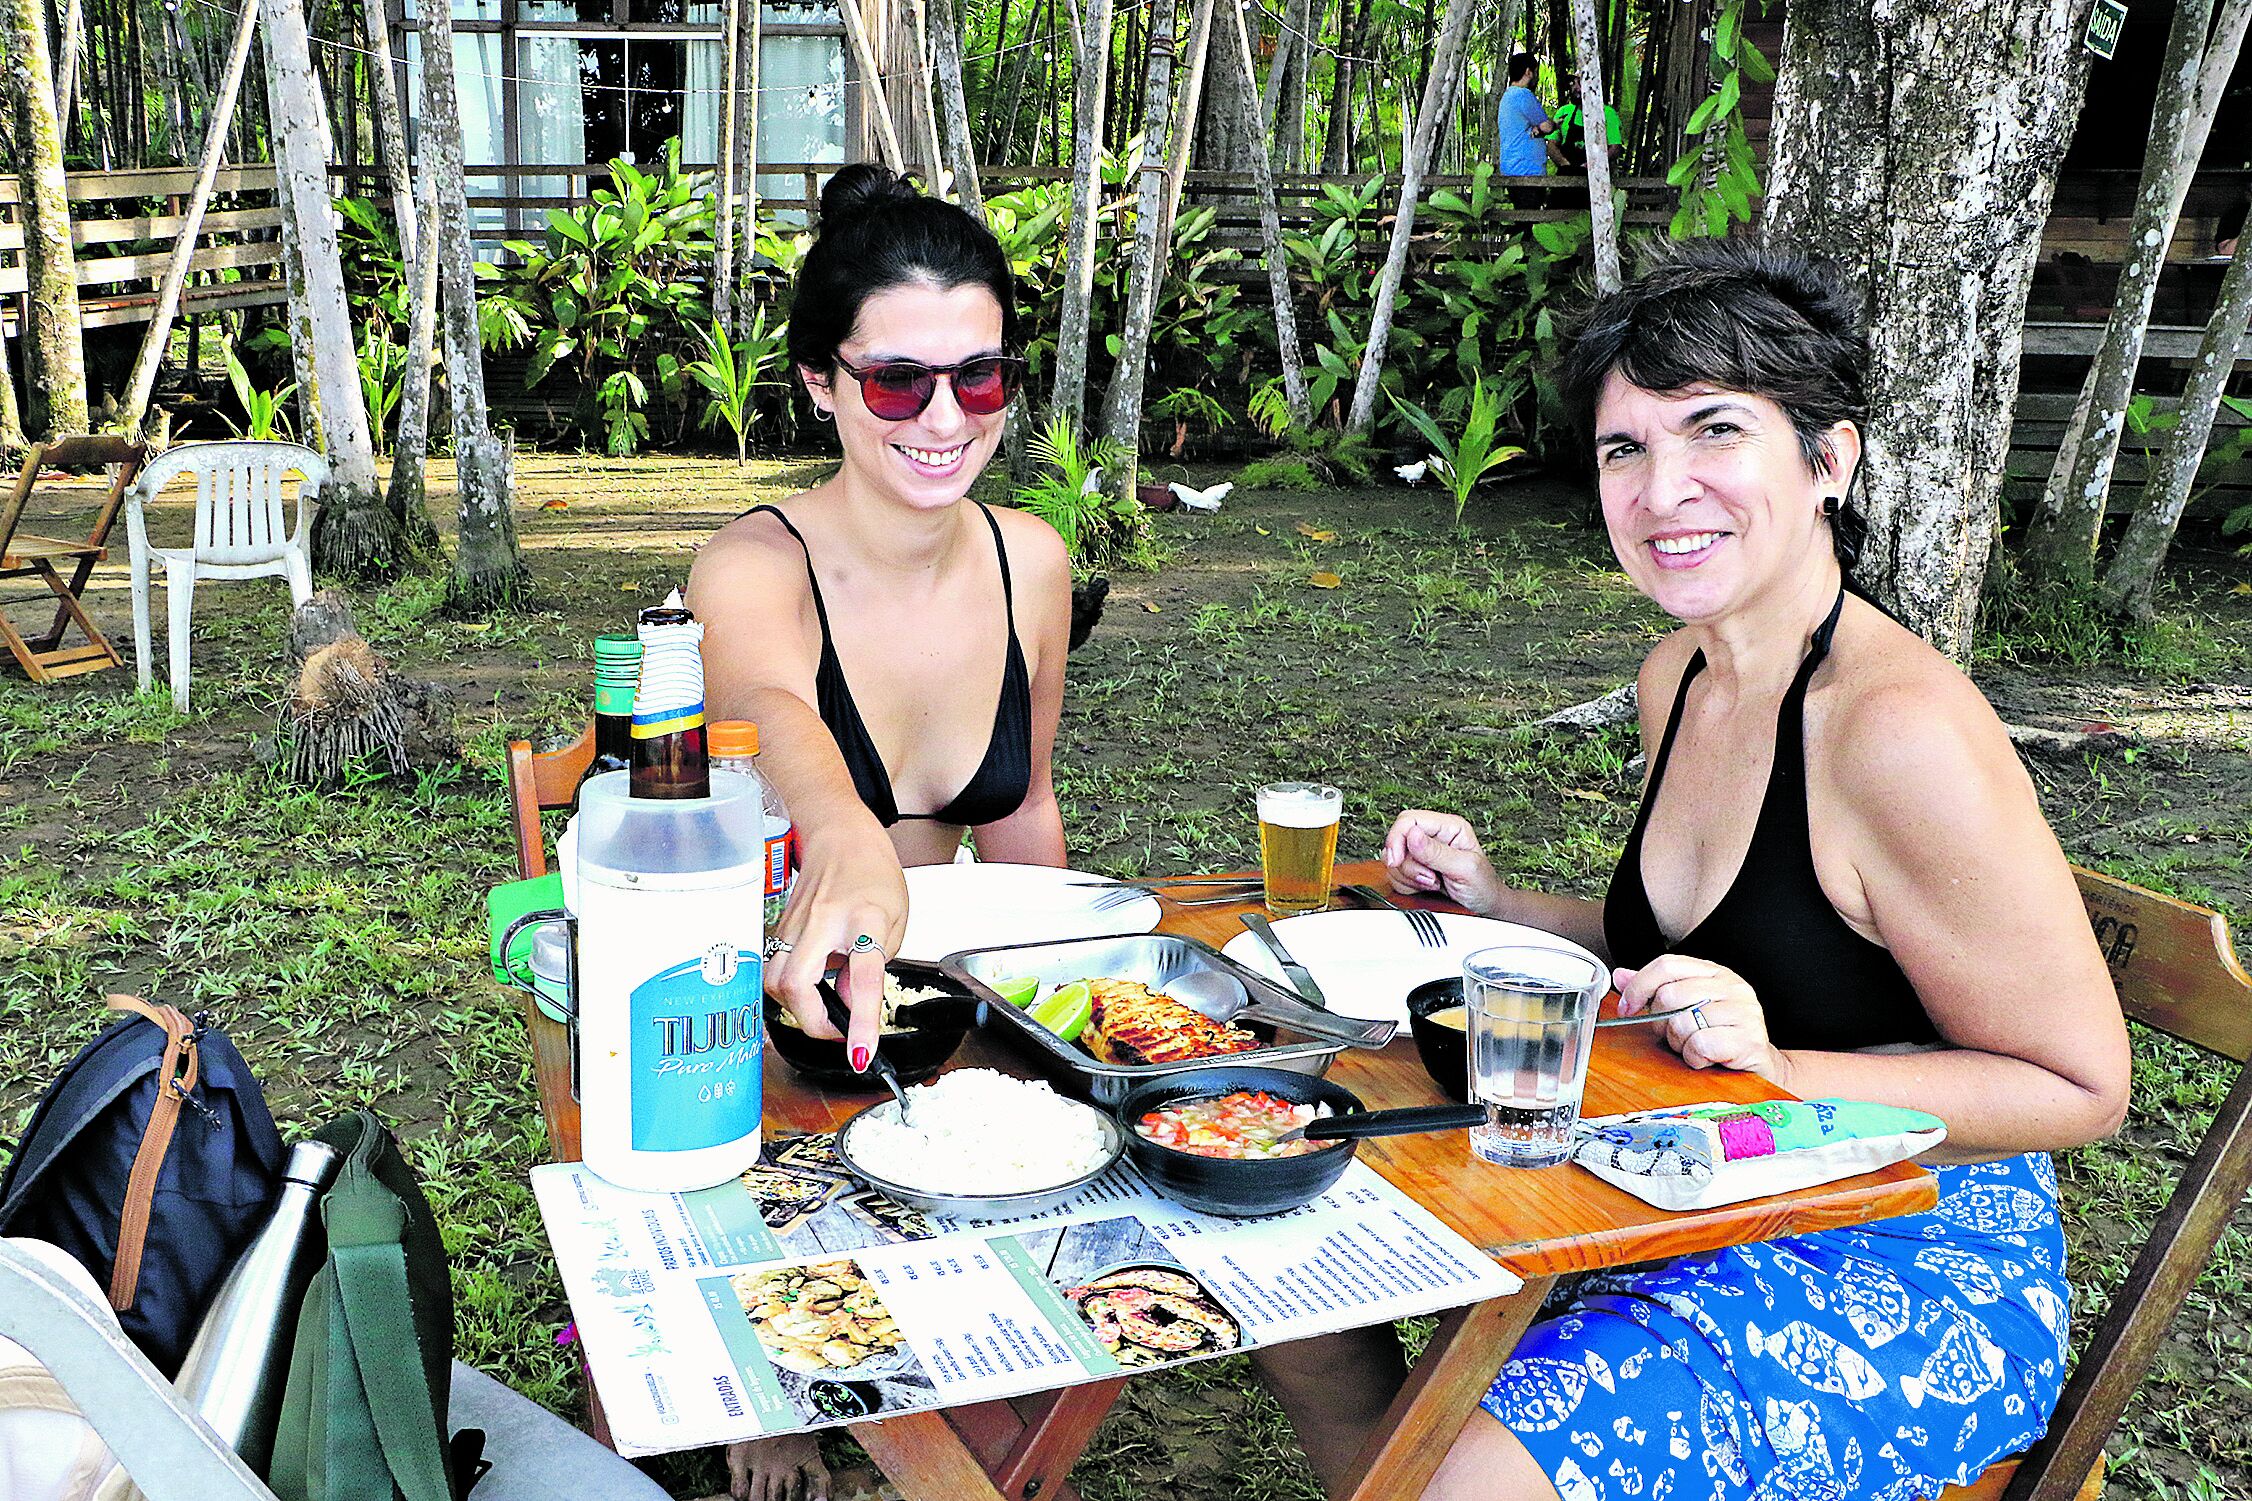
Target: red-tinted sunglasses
x=897, y=390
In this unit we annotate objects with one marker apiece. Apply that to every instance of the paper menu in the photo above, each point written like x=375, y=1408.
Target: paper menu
x=724, y=1315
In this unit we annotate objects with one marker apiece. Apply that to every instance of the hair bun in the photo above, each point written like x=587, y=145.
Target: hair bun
x=861, y=187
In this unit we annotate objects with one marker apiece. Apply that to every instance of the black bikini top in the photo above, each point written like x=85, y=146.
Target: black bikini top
x=998, y=787
x=1823, y=985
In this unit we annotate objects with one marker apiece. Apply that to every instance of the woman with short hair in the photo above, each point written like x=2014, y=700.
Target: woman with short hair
x=1840, y=873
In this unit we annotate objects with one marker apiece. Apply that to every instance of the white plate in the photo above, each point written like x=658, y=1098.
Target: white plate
x=980, y=906
x=1367, y=961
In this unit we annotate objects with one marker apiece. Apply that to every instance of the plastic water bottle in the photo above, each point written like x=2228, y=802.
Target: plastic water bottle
x=735, y=746
x=671, y=875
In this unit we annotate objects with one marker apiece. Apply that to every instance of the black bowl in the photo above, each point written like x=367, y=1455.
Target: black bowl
x=1445, y=1052
x=1238, y=1186
x=916, y=1053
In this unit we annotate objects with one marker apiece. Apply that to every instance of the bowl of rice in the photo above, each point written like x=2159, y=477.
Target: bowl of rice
x=981, y=1145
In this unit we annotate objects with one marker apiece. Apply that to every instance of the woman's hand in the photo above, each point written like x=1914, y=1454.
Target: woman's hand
x=1438, y=852
x=849, y=887
x=1726, y=1026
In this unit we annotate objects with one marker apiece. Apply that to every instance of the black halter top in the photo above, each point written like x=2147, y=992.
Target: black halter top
x=998, y=787
x=1824, y=986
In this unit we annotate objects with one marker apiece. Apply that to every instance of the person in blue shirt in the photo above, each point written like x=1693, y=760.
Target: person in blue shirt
x=1525, y=126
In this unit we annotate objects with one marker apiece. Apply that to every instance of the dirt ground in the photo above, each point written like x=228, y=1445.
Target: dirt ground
x=1406, y=682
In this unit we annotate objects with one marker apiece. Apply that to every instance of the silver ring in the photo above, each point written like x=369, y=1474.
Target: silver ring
x=777, y=946
x=865, y=944
x=1697, y=1015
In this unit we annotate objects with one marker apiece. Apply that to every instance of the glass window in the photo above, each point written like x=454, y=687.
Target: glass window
x=598, y=11
x=477, y=89
x=801, y=12
x=464, y=10
x=801, y=105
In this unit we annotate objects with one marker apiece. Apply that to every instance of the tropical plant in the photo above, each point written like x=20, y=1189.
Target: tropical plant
x=1099, y=530
x=383, y=376
x=621, y=283
x=1718, y=176
x=265, y=413
x=732, y=373
x=1460, y=463
x=1186, y=405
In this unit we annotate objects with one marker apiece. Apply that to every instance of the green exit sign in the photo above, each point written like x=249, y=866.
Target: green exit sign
x=2104, y=27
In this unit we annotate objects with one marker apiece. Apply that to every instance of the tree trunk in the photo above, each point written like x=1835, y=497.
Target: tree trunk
x=410, y=446
x=489, y=569
x=1595, y=132
x=1076, y=330
x=872, y=95
x=353, y=532
x=1122, y=408
x=927, y=98
x=961, y=146
x=746, y=157
x=2068, y=528
x=1232, y=99
x=11, y=420
x=166, y=71
x=1446, y=59
x=54, y=362
x=142, y=384
x=1936, y=228
x=2133, y=576
x=71, y=42
x=1337, y=150
x=1192, y=95
x=1270, y=228
x=377, y=28
x=723, y=227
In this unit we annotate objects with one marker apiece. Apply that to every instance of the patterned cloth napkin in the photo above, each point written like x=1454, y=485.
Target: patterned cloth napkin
x=1703, y=1156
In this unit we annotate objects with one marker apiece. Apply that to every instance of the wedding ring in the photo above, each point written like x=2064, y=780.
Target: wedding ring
x=1697, y=1015
x=777, y=946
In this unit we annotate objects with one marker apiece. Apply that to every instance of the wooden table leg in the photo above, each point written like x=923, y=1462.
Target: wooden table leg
x=1053, y=1440
x=1440, y=1394
x=922, y=1455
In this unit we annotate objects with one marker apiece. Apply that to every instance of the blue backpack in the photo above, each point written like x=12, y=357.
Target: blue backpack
x=154, y=1162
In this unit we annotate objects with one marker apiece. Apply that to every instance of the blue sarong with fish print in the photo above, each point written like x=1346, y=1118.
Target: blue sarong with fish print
x=1883, y=1361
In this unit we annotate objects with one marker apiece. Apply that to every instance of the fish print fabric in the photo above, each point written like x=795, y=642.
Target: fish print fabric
x=1884, y=1361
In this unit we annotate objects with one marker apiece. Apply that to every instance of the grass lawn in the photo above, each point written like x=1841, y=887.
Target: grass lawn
x=340, y=938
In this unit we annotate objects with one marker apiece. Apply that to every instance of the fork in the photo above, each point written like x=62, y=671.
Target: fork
x=1426, y=924
x=1121, y=896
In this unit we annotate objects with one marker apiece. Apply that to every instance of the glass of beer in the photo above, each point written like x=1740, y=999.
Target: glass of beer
x=1298, y=844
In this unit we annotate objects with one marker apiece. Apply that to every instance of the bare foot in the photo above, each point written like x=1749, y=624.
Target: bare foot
x=787, y=1468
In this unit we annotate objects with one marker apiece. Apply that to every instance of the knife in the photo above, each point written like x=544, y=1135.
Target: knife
x=1301, y=980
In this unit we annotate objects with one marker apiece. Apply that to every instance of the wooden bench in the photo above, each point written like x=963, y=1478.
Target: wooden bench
x=2178, y=973
x=117, y=284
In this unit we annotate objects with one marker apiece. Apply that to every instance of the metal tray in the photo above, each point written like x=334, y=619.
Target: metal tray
x=1155, y=960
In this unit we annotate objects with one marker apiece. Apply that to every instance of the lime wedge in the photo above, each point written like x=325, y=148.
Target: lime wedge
x=1017, y=990
x=1065, y=1013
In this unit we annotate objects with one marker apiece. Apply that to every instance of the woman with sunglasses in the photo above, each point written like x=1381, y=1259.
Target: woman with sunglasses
x=900, y=648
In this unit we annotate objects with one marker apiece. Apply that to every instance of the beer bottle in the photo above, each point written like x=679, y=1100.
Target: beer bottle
x=668, y=706
x=617, y=669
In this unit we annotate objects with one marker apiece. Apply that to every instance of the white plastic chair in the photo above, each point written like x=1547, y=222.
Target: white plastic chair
x=173, y=1455
x=239, y=534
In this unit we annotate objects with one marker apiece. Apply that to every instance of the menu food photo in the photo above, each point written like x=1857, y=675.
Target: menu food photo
x=797, y=1297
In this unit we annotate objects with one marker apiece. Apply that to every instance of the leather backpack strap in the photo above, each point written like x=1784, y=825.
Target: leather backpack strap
x=175, y=1079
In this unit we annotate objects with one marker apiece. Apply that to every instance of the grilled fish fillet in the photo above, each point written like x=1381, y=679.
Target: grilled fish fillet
x=1132, y=1024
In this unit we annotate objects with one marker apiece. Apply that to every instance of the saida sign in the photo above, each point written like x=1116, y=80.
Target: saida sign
x=2110, y=18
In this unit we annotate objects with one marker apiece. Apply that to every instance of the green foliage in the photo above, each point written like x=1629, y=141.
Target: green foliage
x=383, y=378
x=731, y=373
x=1284, y=471
x=1720, y=150
x=1462, y=462
x=1099, y=530
x=265, y=413
x=2226, y=447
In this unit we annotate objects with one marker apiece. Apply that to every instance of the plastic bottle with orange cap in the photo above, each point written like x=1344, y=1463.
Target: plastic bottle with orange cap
x=734, y=745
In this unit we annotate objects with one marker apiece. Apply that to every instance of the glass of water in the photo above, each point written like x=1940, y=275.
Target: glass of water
x=1531, y=1017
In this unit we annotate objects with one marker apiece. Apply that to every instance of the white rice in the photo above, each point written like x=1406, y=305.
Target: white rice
x=980, y=1131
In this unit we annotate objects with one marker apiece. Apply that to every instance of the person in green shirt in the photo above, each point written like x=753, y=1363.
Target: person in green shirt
x=1574, y=136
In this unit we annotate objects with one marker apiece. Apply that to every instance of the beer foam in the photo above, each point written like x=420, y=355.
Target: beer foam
x=1299, y=807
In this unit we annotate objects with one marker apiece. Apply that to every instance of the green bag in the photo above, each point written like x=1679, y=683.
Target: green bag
x=364, y=1410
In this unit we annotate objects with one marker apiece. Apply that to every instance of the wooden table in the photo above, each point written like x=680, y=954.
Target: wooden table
x=1541, y=1224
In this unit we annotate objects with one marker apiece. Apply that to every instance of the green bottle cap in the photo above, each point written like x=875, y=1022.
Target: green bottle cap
x=617, y=659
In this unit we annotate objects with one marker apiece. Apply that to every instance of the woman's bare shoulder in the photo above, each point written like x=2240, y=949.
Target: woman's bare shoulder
x=1037, y=555
x=1906, y=727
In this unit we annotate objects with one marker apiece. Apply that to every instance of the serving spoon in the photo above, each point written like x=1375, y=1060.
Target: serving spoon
x=840, y=1017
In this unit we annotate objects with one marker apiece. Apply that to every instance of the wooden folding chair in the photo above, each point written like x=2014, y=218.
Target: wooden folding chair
x=2177, y=972
x=44, y=656
x=537, y=781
